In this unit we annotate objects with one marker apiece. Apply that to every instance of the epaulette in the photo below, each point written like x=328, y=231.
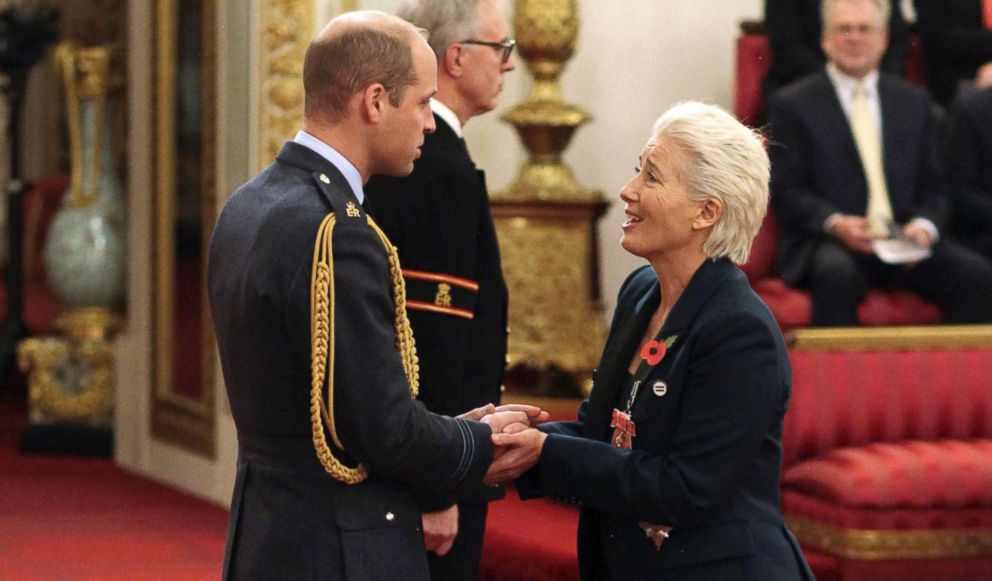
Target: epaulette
x=322, y=329
x=342, y=204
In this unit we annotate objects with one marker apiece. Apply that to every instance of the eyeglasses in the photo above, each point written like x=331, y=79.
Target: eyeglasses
x=505, y=45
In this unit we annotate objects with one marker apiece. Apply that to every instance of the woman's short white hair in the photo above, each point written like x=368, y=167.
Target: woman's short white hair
x=725, y=160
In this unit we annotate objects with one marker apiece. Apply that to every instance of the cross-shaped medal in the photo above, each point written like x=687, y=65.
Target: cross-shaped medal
x=624, y=429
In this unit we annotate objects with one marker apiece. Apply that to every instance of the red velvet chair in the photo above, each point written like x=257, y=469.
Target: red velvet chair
x=41, y=307
x=887, y=462
x=792, y=308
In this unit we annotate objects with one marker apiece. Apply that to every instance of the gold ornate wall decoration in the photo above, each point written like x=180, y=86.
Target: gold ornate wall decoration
x=285, y=29
x=545, y=220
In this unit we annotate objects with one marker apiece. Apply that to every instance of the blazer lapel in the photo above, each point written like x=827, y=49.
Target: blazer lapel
x=701, y=287
x=835, y=118
x=887, y=111
x=616, y=358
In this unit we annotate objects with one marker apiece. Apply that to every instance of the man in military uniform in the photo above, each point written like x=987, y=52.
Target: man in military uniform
x=307, y=302
x=439, y=219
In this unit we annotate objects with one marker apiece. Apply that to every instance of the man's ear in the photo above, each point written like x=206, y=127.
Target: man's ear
x=374, y=101
x=452, y=61
x=709, y=214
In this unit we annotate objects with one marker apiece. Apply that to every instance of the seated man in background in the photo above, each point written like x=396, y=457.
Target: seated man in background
x=793, y=28
x=969, y=175
x=957, y=41
x=855, y=162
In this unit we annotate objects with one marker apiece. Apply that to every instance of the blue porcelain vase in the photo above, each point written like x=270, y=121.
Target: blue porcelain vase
x=85, y=252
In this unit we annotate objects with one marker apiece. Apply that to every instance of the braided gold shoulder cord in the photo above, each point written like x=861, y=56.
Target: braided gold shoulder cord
x=322, y=345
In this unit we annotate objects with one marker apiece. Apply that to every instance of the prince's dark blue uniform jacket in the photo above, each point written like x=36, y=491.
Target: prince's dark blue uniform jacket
x=289, y=519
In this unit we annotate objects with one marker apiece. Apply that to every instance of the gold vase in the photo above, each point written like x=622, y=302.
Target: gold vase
x=546, y=220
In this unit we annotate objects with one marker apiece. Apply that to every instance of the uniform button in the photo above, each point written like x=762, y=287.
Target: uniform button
x=508, y=359
x=507, y=329
x=390, y=516
x=502, y=388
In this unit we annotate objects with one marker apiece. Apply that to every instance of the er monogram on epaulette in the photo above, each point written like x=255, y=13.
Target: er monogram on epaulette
x=352, y=210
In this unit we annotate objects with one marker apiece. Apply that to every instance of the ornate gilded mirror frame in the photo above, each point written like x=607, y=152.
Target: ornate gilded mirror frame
x=182, y=410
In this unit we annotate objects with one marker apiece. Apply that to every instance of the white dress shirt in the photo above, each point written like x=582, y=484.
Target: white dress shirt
x=448, y=116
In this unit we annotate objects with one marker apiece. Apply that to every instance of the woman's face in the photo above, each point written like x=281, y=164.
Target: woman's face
x=660, y=214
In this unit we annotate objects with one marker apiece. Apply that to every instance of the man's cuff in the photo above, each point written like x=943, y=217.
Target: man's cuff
x=828, y=224
x=928, y=226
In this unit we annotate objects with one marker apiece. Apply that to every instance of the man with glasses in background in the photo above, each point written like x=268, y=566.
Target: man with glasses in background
x=854, y=163
x=439, y=219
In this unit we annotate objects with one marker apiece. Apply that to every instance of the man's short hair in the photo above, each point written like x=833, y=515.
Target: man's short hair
x=449, y=21
x=827, y=12
x=337, y=67
x=721, y=159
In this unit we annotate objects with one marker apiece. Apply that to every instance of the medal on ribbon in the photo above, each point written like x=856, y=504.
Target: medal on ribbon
x=624, y=430
x=623, y=425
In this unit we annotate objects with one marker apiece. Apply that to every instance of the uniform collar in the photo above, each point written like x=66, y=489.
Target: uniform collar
x=349, y=171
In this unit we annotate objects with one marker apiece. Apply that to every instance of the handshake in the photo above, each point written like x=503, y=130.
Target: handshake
x=517, y=444
x=517, y=448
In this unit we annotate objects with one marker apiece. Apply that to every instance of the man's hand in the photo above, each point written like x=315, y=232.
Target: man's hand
x=535, y=415
x=853, y=232
x=519, y=452
x=917, y=234
x=983, y=78
x=440, y=529
x=498, y=421
x=478, y=413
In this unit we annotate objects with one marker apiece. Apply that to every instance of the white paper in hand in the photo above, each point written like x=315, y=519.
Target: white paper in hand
x=899, y=251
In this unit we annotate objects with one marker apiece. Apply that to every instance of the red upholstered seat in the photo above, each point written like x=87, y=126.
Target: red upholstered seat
x=916, y=474
x=887, y=461
x=39, y=206
x=793, y=308
x=754, y=56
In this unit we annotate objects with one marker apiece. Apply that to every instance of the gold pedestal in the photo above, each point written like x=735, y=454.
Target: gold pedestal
x=71, y=378
x=546, y=221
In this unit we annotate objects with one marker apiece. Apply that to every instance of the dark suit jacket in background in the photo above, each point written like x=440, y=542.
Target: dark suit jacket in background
x=706, y=456
x=794, y=32
x=816, y=169
x=969, y=171
x=289, y=519
x=438, y=218
x=955, y=42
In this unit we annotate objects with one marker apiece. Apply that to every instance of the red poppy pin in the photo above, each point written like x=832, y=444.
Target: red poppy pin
x=654, y=350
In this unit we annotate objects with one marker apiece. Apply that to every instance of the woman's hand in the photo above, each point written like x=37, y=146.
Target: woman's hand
x=517, y=453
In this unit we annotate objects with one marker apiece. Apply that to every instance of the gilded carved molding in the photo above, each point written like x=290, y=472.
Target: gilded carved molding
x=285, y=29
x=554, y=317
x=874, y=545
